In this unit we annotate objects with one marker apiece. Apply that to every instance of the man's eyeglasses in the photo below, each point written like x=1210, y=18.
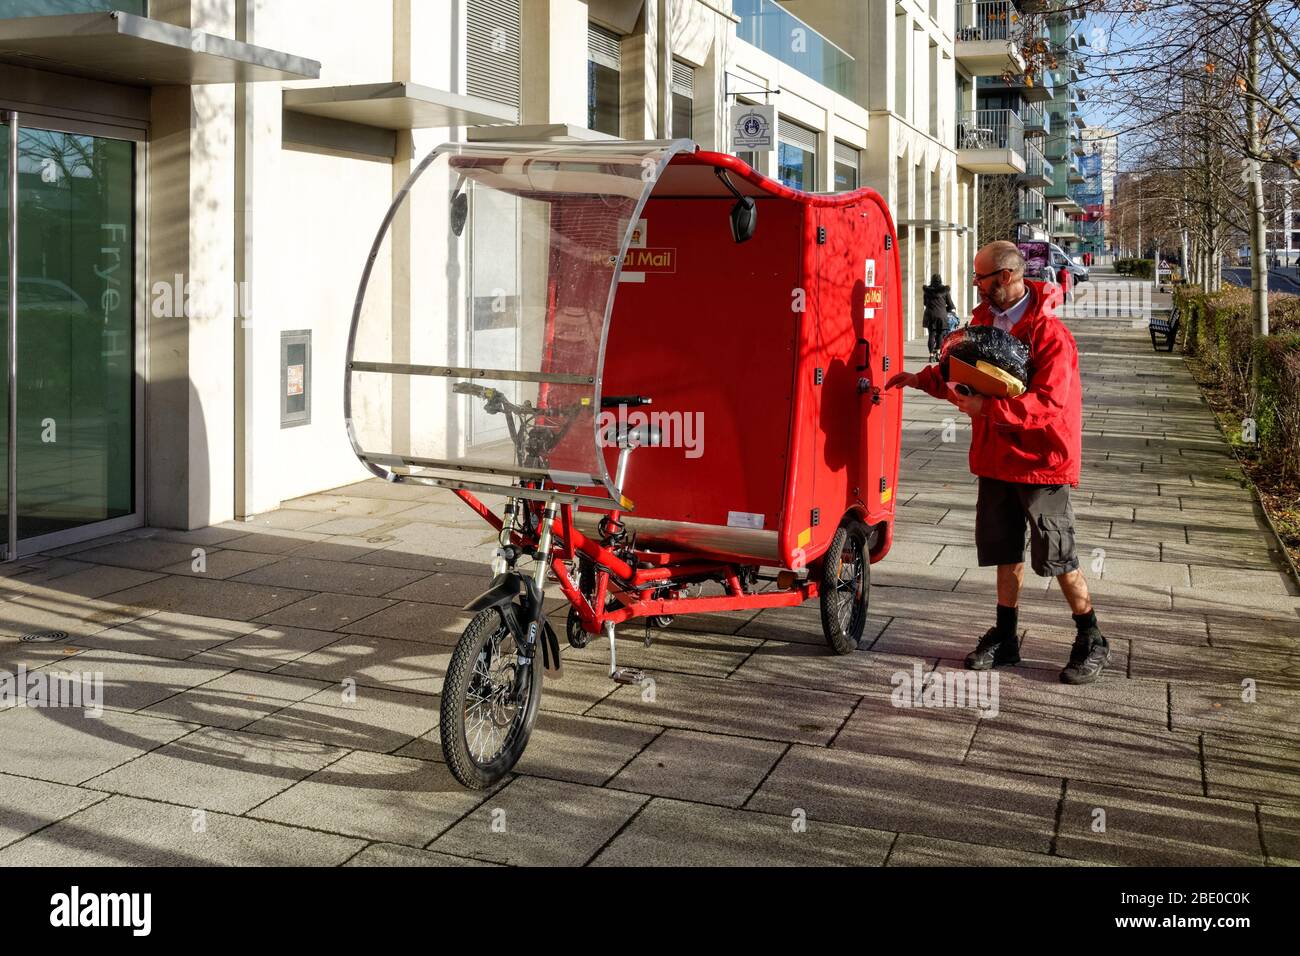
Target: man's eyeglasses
x=987, y=275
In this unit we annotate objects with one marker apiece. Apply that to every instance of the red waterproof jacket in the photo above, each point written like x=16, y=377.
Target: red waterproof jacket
x=1036, y=438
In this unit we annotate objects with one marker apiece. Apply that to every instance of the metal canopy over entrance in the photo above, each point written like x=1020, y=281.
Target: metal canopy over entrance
x=139, y=51
x=478, y=335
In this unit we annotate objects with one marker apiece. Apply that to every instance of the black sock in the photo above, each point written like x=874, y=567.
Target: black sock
x=1007, y=621
x=1087, y=622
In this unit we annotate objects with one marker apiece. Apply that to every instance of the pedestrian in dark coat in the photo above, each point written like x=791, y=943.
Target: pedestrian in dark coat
x=938, y=303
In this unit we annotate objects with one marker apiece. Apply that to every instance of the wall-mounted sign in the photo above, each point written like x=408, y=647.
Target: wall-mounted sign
x=752, y=128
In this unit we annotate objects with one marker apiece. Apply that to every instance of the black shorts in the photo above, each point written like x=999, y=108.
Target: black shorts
x=1001, y=514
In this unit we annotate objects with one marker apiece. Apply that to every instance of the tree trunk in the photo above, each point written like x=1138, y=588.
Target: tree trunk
x=1258, y=240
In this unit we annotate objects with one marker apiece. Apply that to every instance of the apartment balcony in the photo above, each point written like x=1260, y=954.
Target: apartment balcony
x=1058, y=146
x=1036, y=119
x=1030, y=89
x=1038, y=171
x=769, y=27
x=1030, y=212
x=990, y=142
x=1075, y=175
x=987, y=41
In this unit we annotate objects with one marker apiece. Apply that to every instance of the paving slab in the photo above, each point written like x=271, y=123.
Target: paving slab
x=267, y=647
x=217, y=769
x=703, y=768
x=889, y=793
x=414, y=621
x=817, y=667
x=1241, y=768
x=1101, y=753
x=388, y=854
x=167, y=634
x=765, y=711
x=335, y=576
x=65, y=746
x=537, y=822
x=675, y=833
x=913, y=850
x=222, y=599
x=1123, y=826
x=28, y=805
x=687, y=652
x=376, y=797
x=376, y=662
x=325, y=611
x=122, y=831
x=356, y=718
x=236, y=699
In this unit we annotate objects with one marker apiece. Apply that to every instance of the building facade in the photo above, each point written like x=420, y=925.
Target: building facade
x=1029, y=109
x=194, y=186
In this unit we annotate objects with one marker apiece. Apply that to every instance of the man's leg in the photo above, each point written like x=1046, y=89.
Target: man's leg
x=1053, y=553
x=1075, y=589
x=1010, y=578
x=1000, y=542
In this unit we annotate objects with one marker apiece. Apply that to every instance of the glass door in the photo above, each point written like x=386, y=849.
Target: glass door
x=7, y=123
x=74, y=424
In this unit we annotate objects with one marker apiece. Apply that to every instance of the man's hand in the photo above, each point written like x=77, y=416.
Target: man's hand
x=902, y=378
x=972, y=405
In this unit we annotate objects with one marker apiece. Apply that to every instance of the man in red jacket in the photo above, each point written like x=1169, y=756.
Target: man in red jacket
x=1026, y=452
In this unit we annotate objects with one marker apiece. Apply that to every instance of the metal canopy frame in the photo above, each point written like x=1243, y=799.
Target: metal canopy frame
x=397, y=106
x=382, y=463
x=140, y=51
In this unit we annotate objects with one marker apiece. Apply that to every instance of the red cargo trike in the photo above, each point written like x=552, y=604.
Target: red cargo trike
x=532, y=314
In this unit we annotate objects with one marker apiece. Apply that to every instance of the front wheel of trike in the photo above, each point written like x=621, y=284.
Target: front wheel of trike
x=489, y=702
x=846, y=586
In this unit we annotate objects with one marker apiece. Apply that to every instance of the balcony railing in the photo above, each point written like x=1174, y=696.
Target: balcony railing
x=1037, y=168
x=986, y=20
x=1031, y=210
x=990, y=129
x=779, y=33
x=1034, y=118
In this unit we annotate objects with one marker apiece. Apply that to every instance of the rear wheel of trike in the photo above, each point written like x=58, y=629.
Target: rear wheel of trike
x=846, y=587
x=489, y=703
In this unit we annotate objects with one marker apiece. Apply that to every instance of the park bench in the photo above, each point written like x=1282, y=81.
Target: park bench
x=1166, y=326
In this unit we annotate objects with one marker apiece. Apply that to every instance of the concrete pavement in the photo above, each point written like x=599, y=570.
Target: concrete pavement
x=276, y=702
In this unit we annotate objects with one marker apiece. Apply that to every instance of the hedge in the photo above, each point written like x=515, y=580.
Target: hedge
x=1142, y=268
x=1219, y=331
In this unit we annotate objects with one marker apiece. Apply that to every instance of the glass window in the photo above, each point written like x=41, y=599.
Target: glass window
x=683, y=89
x=796, y=156
x=46, y=8
x=796, y=166
x=604, y=54
x=847, y=160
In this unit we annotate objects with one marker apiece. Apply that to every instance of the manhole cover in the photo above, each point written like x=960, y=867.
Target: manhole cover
x=44, y=637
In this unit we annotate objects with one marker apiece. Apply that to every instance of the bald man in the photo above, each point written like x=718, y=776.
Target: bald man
x=1026, y=453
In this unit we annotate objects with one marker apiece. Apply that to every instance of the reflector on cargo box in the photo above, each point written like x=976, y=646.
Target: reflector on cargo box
x=478, y=334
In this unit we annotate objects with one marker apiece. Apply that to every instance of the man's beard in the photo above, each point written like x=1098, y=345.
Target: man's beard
x=1000, y=296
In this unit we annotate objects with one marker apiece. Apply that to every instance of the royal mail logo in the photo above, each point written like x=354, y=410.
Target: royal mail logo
x=650, y=260
x=875, y=298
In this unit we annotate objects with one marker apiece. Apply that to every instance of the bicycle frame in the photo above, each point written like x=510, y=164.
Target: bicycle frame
x=634, y=587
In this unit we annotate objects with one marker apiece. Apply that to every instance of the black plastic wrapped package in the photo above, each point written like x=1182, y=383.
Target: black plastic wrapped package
x=986, y=343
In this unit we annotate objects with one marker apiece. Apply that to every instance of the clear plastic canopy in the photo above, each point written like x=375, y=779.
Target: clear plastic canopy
x=478, y=334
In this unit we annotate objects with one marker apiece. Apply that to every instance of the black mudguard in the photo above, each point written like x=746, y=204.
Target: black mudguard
x=526, y=620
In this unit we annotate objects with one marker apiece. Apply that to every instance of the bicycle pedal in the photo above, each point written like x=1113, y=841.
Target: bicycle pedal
x=627, y=675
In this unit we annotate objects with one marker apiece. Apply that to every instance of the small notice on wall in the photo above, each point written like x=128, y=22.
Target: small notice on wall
x=295, y=380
